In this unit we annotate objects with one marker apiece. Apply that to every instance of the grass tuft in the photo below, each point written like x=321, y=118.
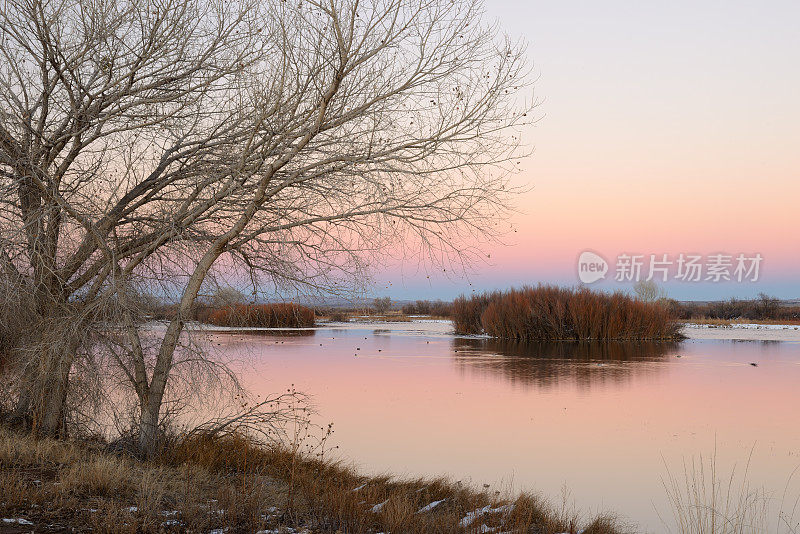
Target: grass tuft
x=706, y=502
x=100, y=475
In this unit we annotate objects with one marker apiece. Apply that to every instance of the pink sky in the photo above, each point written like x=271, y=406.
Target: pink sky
x=664, y=129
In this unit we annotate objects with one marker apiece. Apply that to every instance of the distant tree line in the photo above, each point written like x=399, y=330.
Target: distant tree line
x=762, y=308
x=438, y=308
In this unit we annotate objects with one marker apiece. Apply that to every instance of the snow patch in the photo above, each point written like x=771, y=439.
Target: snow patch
x=745, y=326
x=378, y=507
x=17, y=521
x=429, y=507
x=470, y=518
x=285, y=530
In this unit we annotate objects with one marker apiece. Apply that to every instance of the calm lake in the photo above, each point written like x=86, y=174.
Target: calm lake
x=606, y=422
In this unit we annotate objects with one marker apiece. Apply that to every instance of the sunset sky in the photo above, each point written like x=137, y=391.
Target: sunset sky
x=666, y=128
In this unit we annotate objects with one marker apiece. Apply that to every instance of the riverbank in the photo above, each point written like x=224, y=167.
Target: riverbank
x=233, y=485
x=742, y=331
x=708, y=329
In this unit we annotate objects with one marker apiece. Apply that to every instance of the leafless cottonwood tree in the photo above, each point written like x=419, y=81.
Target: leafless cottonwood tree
x=94, y=94
x=294, y=141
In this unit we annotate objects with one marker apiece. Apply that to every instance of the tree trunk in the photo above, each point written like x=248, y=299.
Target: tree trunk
x=148, y=428
x=150, y=404
x=154, y=393
x=54, y=398
x=45, y=381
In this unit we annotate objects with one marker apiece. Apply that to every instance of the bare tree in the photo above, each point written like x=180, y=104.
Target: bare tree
x=227, y=296
x=108, y=109
x=162, y=140
x=382, y=304
x=648, y=291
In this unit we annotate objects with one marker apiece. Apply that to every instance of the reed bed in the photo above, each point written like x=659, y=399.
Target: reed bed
x=281, y=315
x=545, y=313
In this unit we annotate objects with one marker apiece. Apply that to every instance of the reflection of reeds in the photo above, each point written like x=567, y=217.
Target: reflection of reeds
x=545, y=364
x=281, y=315
x=574, y=351
x=555, y=313
x=272, y=333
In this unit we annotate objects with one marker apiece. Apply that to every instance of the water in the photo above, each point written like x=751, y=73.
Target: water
x=606, y=422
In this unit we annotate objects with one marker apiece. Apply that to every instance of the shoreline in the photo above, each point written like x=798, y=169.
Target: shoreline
x=742, y=332
x=439, y=327
x=722, y=331
x=233, y=484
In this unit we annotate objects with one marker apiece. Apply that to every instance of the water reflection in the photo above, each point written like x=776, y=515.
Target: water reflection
x=268, y=332
x=548, y=364
x=602, y=419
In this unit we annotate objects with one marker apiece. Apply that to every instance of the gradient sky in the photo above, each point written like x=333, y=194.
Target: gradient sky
x=666, y=127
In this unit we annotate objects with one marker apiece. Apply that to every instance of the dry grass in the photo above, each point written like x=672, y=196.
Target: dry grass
x=553, y=313
x=704, y=500
x=19, y=452
x=99, y=475
x=232, y=482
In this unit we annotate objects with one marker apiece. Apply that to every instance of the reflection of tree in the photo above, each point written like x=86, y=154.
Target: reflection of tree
x=549, y=364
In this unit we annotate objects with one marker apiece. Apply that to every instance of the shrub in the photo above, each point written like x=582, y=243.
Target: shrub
x=554, y=313
x=339, y=317
x=382, y=304
x=281, y=315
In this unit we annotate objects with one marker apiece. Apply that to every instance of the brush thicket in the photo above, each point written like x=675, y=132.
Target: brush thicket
x=281, y=315
x=554, y=313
